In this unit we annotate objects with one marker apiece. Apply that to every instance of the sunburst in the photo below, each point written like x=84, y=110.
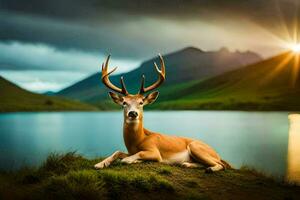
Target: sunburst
x=295, y=47
x=290, y=43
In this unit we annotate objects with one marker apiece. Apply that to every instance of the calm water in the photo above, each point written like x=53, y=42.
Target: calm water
x=267, y=141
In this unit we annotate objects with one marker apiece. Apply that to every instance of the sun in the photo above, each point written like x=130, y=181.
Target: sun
x=295, y=47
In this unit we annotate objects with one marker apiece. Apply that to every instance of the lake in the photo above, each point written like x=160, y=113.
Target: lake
x=267, y=141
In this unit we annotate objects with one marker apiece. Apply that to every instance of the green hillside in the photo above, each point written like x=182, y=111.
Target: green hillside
x=273, y=84
x=14, y=98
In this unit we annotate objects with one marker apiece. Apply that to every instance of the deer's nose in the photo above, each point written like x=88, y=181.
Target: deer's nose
x=133, y=114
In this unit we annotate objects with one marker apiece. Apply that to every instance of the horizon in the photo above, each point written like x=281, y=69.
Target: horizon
x=35, y=86
x=41, y=88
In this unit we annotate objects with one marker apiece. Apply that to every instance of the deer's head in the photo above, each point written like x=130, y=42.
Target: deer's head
x=133, y=103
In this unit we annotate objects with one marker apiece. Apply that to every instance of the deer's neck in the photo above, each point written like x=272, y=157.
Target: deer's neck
x=133, y=134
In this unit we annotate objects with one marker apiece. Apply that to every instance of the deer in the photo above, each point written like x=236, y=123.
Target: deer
x=145, y=145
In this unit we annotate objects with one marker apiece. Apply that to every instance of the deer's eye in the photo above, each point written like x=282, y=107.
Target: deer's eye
x=124, y=103
x=141, y=103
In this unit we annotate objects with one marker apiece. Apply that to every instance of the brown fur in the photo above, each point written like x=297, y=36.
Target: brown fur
x=143, y=144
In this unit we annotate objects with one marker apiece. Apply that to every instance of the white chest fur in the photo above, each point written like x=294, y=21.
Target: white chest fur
x=178, y=158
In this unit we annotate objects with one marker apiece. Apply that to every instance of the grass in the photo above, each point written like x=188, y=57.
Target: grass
x=231, y=102
x=71, y=176
x=16, y=99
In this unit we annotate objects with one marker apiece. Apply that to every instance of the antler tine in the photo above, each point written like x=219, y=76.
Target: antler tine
x=106, y=63
x=142, y=85
x=124, y=90
x=106, y=81
x=161, y=72
x=162, y=64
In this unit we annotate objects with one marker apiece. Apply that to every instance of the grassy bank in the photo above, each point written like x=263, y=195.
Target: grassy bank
x=16, y=99
x=71, y=176
x=228, y=103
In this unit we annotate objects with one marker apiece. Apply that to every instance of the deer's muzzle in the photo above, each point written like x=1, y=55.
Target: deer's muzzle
x=133, y=114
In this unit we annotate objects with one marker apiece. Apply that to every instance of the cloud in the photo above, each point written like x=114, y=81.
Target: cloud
x=40, y=67
x=112, y=9
x=24, y=56
x=140, y=29
x=42, y=81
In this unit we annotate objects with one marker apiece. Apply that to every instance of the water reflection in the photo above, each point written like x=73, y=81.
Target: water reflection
x=293, y=160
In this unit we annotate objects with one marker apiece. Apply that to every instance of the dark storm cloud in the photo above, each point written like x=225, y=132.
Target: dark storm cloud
x=128, y=28
x=82, y=9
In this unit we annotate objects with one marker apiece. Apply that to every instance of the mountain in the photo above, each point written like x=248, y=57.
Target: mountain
x=272, y=84
x=14, y=98
x=183, y=66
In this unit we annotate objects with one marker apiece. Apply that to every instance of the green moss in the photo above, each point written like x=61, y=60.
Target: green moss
x=84, y=184
x=164, y=170
x=143, y=180
x=61, y=163
x=71, y=176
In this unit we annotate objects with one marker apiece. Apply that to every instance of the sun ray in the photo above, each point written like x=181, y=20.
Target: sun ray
x=295, y=69
x=278, y=68
x=295, y=30
x=282, y=22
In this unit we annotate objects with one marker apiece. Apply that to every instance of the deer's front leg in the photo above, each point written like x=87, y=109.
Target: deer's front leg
x=107, y=161
x=142, y=155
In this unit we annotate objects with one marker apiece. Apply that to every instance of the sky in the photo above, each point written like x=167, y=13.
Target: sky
x=48, y=45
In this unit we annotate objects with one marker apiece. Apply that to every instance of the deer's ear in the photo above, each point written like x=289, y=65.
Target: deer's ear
x=117, y=98
x=150, y=98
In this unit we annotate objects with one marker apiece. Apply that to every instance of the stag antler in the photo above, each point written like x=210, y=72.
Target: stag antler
x=161, y=78
x=106, y=81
